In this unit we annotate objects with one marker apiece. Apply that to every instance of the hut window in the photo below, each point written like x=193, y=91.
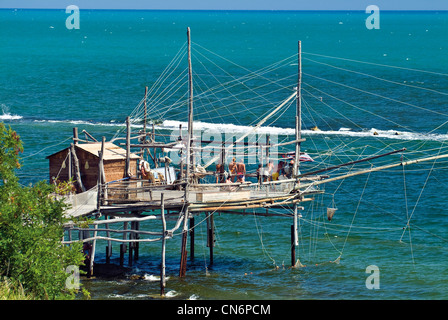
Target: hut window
x=86, y=166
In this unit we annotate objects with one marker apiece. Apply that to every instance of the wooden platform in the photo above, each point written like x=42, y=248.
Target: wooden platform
x=219, y=196
x=213, y=199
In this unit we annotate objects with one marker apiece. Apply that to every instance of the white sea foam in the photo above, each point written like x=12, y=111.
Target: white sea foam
x=150, y=277
x=388, y=134
x=83, y=122
x=235, y=129
x=171, y=294
x=225, y=127
x=6, y=115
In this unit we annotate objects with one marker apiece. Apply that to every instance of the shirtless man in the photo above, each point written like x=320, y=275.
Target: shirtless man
x=232, y=169
x=220, y=173
x=241, y=171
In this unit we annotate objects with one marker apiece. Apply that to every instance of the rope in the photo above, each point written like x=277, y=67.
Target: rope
x=376, y=64
x=378, y=78
x=354, y=216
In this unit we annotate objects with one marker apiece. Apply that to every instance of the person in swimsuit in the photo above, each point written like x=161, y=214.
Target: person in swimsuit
x=220, y=178
x=232, y=169
x=241, y=171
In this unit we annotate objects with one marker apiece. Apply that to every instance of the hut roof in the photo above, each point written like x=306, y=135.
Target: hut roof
x=111, y=151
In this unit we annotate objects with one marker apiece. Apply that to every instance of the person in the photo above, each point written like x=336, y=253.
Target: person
x=267, y=172
x=233, y=169
x=281, y=168
x=289, y=169
x=259, y=172
x=87, y=251
x=241, y=171
x=220, y=178
x=270, y=170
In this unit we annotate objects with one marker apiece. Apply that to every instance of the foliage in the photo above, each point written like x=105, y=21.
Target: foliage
x=12, y=291
x=64, y=187
x=31, y=229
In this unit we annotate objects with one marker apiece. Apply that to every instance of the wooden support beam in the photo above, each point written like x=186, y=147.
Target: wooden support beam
x=77, y=171
x=162, y=267
x=351, y=163
x=89, y=135
x=75, y=135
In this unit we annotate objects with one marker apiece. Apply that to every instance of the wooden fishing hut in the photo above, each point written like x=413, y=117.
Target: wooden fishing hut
x=80, y=163
x=111, y=169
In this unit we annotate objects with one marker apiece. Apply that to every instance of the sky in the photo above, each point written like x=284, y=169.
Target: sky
x=231, y=4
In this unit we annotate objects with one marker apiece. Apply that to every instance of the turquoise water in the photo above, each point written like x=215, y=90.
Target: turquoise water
x=53, y=78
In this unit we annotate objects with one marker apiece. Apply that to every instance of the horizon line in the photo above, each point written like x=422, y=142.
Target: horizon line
x=266, y=10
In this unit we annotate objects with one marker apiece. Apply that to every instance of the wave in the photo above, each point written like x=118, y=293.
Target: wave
x=388, y=134
x=82, y=122
x=6, y=115
x=234, y=129
x=224, y=127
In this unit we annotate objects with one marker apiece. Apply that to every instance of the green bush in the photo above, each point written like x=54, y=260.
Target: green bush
x=31, y=229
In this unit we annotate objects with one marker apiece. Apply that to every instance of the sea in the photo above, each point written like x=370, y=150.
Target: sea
x=366, y=91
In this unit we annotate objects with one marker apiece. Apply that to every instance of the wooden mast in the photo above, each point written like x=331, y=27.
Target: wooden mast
x=190, y=108
x=294, y=232
x=298, y=111
x=183, y=259
x=146, y=113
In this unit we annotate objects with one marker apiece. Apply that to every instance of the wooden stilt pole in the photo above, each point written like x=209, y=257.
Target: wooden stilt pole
x=70, y=169
x=101, y=178
x=123, y=245
x=192, y=238
x=75, y=135
x=92, y=255
x=190, y=162
x=162, y=267
x=109, y=243
x=294, y=237
x=136, y=244
x=183, y=257
x=293, y=247
x=210, y=234
x=131, y=244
